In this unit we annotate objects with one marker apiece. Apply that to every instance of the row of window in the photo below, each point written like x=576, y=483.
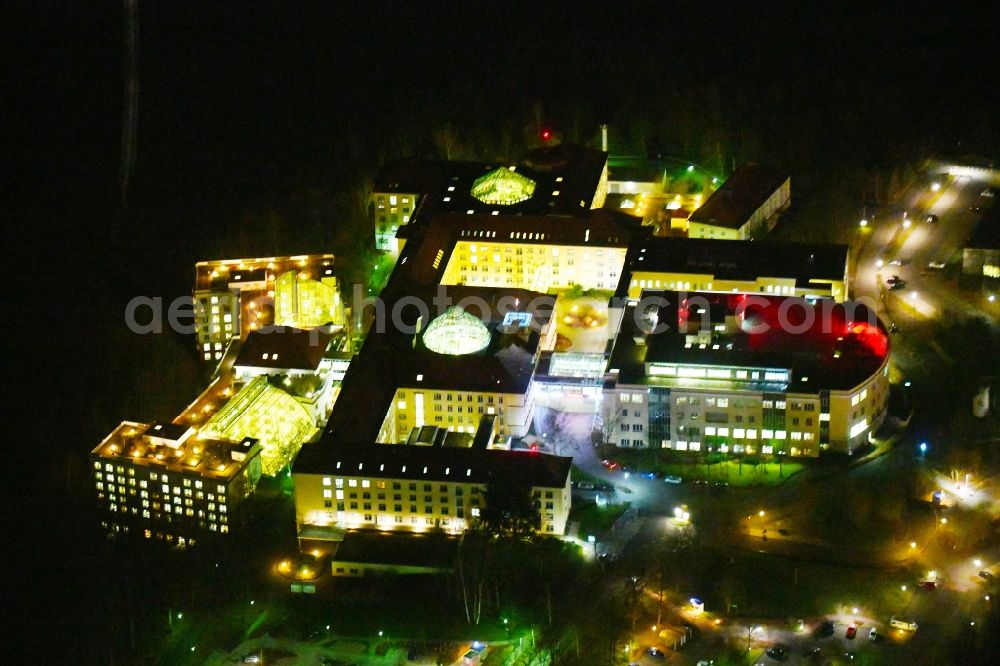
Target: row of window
x=156, y=476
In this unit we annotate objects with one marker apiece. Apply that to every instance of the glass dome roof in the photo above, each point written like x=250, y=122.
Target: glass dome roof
x=456, y=332
x=503, y=187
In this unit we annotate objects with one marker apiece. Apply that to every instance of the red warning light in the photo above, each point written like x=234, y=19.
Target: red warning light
x=546, y=134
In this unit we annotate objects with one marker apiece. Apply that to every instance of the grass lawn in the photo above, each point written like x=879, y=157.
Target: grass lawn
x=771, y=589
x=686, y=467
x=595, y=519
x=730, y=471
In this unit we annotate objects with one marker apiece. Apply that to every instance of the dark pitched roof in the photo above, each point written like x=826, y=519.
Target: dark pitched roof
x=736, y=260
x=431, y=463
x=436, y=551
x=284, y=348
x=743, y=192
x=569, y=170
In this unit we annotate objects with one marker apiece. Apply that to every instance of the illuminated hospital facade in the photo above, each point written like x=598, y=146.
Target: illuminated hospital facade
x=513, y=288
x=235, y=296
x=425, y=412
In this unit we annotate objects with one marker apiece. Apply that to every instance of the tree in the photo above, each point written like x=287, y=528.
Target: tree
x=475, y=563
x=510, y=510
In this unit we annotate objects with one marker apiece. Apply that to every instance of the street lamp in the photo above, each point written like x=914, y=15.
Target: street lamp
x=761, y=513
x=903, y=588
x=591, y=539
x=935, y=186
x=913, y=544
x=978, y=562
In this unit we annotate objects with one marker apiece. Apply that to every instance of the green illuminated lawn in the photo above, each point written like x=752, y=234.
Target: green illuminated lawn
x=690, y=468
x=595, y=519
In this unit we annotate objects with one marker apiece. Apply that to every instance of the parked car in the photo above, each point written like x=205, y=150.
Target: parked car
x=672, y=479
x=609, y=464
x=899, y=261
x=936, y=264
x=988, y=193
x=929, y=585
x=656, y=653
x=777, y=653
x=649, y=475
x=931, y=219
x=986, y=575
x=826, y=628
x=872, y=634
x=852, y=630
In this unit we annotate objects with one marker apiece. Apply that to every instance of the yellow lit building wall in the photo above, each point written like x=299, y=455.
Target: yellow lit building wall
x=533, y=266
x=739, y=422
x=173, y=506
x=601, y=193
x=702, y=230
x=358, y=501
x=217, y=321
x=459, y=411
x=391, y=211
x=707, y=282
x=859, y=412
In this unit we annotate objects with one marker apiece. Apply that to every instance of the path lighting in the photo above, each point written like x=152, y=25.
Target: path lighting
x=944, y=521
x=903, y=588
x=855, y=610
x=760, y=513
x=935, y=186
x=863, y=223
x=978, y=562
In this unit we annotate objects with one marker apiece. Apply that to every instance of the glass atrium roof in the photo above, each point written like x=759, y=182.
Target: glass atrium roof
x=503, y=187
x=456, y=332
